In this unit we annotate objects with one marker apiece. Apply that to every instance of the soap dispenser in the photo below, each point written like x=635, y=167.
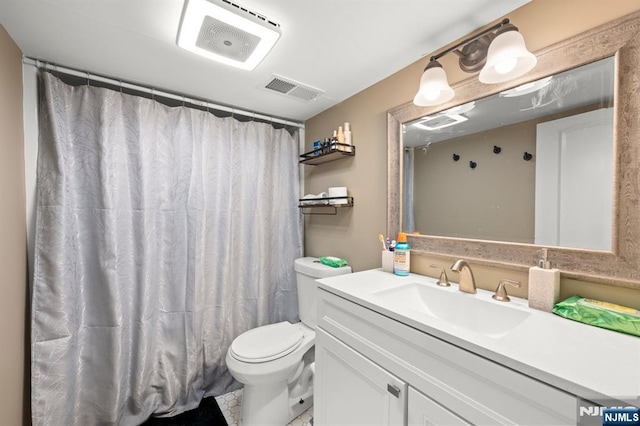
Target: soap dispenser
x=544, y=285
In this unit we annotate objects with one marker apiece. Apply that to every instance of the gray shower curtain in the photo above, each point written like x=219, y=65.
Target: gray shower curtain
x=161, y=234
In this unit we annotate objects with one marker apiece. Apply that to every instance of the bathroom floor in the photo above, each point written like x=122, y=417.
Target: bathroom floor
x=230, y=406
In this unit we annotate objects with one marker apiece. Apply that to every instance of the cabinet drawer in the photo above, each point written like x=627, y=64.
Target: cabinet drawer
x=474, y=388
x=423, y=411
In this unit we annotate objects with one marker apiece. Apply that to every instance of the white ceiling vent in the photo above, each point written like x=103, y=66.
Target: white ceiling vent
x=292, y=88
x=226, y=32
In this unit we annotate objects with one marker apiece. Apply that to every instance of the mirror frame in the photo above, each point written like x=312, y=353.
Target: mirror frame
x=619, y=267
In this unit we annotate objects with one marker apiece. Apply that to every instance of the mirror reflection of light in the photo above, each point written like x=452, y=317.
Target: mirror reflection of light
x=460, y=109
x=443, y=120
x=527, y=88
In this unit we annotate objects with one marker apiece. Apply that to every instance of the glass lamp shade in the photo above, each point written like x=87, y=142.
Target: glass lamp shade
x=507, y=58
x=434, y=87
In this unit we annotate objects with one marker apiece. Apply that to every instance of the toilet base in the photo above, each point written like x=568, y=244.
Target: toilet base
x=270, y=405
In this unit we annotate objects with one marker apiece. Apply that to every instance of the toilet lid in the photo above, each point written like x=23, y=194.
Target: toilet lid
x=266, y=343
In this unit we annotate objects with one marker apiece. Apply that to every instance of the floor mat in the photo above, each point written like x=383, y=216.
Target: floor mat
x=208, y=413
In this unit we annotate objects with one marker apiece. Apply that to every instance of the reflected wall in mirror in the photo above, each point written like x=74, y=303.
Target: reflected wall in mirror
x=616, y=264
x=543, y=157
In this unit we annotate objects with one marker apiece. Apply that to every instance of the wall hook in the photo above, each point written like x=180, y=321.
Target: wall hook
x=456, y=157
x=496, y=149
x=527, y=156
x=473, y=164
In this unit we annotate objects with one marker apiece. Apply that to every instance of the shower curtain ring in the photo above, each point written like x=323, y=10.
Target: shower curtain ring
x=88, y=79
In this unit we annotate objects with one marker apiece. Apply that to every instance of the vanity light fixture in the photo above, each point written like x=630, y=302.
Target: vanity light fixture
x=498, y=52
x=226, y=32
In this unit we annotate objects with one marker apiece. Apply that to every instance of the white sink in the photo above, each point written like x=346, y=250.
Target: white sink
x=474, y=312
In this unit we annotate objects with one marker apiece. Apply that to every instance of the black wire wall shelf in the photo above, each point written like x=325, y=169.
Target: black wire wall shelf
x=333, y=152
x=312, y=204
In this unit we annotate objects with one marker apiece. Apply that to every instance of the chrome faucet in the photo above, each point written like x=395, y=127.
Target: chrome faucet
x=467, y=282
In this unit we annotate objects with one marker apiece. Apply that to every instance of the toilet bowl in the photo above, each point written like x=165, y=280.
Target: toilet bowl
x=271, y=371
x=275, y=362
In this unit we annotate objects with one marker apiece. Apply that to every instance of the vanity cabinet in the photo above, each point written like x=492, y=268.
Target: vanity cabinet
x=352, y=390
x=359, y=352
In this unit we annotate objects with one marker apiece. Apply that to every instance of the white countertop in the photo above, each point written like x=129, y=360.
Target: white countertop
x=584, y=360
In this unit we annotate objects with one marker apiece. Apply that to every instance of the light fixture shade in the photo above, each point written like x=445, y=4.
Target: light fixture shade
x=226, y=34
x=507, y=58
x=434, y=88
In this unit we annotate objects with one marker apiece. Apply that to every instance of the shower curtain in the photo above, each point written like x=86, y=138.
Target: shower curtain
x=161, y=234
x=408, y=215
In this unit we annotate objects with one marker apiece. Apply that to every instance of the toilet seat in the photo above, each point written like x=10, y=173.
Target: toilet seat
x=266, y=343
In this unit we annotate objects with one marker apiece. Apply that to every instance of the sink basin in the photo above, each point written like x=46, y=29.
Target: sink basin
x=474, y=312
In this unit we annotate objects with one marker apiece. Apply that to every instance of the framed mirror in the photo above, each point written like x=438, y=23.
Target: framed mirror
x=528, y=165
x=615, y=258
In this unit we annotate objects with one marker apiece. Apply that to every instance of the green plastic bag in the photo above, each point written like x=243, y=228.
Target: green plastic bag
x=333, y=261
x=600, y=314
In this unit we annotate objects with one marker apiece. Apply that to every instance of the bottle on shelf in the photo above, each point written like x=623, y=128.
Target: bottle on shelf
x=334, y=141
x=347, y=136
x=340, y=138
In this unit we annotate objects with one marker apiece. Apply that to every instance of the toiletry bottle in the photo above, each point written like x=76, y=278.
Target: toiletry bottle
x=402, y=256
x=340, y=139
x=326, y=146
x=347, y=136
x=334, y=141
x=544, y=285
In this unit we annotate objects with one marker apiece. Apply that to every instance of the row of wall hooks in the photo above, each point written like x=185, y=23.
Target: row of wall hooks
x=496, y=150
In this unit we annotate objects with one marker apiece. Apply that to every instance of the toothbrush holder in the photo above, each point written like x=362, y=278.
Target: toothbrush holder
x=387, y=261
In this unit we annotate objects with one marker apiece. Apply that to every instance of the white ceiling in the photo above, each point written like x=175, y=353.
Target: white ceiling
x=339, y=46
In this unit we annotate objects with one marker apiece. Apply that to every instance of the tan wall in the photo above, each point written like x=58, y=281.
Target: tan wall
x=13, y=238
x=494, y=201
x=352, y=233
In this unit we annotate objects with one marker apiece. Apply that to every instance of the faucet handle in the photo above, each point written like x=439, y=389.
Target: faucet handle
x=501, y=291
x=443, y=281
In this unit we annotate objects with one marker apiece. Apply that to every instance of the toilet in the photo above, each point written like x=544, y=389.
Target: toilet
x=275, y=362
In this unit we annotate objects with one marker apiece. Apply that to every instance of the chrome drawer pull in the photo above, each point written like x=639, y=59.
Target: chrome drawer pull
x=394, y=390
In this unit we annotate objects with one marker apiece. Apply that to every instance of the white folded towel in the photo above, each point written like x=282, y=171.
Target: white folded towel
x=314, y=199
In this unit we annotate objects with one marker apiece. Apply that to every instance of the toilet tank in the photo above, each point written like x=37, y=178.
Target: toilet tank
x=308, y=269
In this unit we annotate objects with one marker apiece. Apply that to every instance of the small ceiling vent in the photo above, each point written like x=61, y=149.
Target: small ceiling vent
x=292, y=88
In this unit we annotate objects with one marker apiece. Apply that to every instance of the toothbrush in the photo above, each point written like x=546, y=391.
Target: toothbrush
x=381, y=238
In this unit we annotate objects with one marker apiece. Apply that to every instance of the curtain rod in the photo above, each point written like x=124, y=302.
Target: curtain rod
x=198, y=102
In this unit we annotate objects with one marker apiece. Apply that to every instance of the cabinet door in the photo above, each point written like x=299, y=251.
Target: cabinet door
x=352, y=390
x=423, y=411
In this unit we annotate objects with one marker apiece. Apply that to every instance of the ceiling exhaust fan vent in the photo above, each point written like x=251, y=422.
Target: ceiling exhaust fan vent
x=226, y=32
x=254, y=15
x=292, y=88
x=226, y=40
